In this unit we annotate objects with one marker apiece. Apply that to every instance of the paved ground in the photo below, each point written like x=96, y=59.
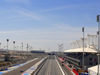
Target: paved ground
x=23, y=68
x=50, y=67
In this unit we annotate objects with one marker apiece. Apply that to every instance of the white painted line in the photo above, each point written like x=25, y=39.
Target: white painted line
x=60, y=66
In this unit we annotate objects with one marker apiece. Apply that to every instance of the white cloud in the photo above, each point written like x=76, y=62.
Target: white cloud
x=58, y=8
x=28, y=14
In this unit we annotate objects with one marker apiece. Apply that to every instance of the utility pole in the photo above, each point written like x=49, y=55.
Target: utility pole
x=83, y=49
x=98, y=33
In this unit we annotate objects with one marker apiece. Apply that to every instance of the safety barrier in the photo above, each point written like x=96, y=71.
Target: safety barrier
x=33, y=68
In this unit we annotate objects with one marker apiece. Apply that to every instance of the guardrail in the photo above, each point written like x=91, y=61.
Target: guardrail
x=72, y=58
x=39, y=67
x=73, y=62
x=33, y=69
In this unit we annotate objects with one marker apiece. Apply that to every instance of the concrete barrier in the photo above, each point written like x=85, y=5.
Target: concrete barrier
x=32, y=69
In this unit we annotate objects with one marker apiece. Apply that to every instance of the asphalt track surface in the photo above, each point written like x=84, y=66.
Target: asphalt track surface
x=21, y=69
x=50, y=67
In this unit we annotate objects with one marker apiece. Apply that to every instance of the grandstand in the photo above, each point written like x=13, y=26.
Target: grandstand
x=74, y=56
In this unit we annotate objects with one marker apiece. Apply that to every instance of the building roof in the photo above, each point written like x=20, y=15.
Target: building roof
x=78, y=50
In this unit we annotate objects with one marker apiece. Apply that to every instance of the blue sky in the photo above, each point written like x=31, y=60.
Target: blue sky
x=46, y=23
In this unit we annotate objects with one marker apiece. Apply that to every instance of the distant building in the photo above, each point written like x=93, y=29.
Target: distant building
x=37, y=51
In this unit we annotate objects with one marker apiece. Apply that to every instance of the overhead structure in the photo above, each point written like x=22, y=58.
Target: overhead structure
x=60, y=47
x=89, y=41
x=92, y=40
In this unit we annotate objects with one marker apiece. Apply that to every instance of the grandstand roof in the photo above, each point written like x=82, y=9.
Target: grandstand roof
x=87, y=50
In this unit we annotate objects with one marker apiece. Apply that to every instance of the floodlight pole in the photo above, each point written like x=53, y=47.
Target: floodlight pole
x=98, y=33
x=7, y=43
x=27, y=47
x=13, y=45
x=98, y=52
x=83, y=50
x=22, y=46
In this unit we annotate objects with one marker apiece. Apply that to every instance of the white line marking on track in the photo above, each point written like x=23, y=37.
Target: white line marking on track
x=59, y=66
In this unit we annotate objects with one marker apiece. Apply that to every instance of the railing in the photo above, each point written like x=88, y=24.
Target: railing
x=72, y=58
x=73, y=62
